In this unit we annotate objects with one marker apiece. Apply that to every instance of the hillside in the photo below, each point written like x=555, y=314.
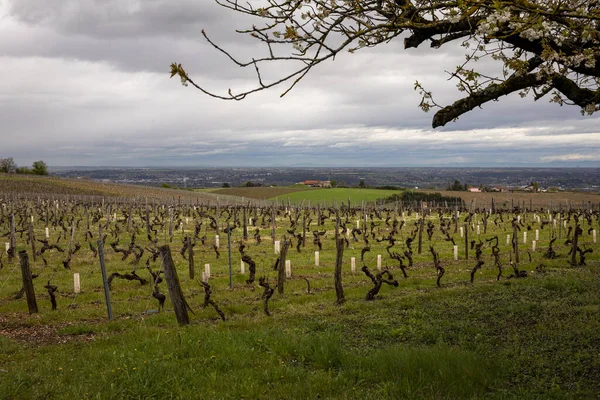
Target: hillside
x=49, y=186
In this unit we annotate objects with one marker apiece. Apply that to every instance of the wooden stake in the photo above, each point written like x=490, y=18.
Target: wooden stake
x=281, y=272
x=104, y=278
x=175, y=292
x=339, y=289
x=28, y=282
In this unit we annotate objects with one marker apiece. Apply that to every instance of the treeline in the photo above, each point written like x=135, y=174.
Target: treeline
x=410, y=196
x=9, y=166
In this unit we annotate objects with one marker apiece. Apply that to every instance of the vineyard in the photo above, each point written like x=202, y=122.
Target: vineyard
x=289, y=293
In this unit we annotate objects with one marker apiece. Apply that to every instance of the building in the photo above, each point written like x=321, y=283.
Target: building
x=315, y=183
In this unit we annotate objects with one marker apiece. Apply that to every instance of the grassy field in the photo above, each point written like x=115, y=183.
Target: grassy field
x=506, y=199
x=333, y=196
x=296, y=195
x=32, y=186
x=526, y=338
x=263, y=193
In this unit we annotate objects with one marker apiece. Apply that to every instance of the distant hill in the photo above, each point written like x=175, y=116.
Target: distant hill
x=29, y=185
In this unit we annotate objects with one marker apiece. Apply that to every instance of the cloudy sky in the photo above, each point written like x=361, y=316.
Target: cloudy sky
x=86, y=83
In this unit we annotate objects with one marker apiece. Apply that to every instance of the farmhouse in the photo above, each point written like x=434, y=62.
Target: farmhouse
x=315, y=183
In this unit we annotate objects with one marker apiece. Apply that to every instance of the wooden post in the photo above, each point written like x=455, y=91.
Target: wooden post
x=32, y=240
x=455, y=218
x=87, y=219
x=170, y=221
x=245, y=231
x=420, y=233
x=104, y=278
x=229, y=255
x=147, y=219
x=72, y=235
x=12, y=239
x=574, y=249
x=175, y=292
x=281, y=272
x=273, y=215
x=466, y=229
x=217, y=213
x=339, y=289
x=28, y=282
x=190, y=256
x=515, y=242
x=304, y=227
x=485, y=218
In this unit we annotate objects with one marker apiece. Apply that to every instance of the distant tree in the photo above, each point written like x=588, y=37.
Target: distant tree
x=362, y=184
x=8, y=165
x=536, y=186
x=23, y=171
x=39, y=168
x=334, y=183
x=166, y=186
x=457, y=186
x=226, y=185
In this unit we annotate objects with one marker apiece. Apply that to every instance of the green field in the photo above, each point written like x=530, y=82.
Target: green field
x=333, y=196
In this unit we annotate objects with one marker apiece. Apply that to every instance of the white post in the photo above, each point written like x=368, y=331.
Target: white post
x=206, y=275
x=462, y=233
x=478, y=230
x=47, y=233
x=594, y=235
x=417, y=215
x=32, y=218
x=537, y=234
x=204, y=278
x=250, y=221
x=288, y=269
x=524, y=237
x=242, y=267
x=187, y=220
x=533, y=243
x=7, y=246
x=455, y=253
x=357, y=224
x=316, y=258
x=507, y=239
x=216, y=244
x=76, y=283
x=277, y=247
x=379, y=262
x=565, y=223
x=353, y=264
x=518, y=218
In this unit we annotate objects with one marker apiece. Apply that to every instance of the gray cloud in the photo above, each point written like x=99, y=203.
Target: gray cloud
x=85, y=82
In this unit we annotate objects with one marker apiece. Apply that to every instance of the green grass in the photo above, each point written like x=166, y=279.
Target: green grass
x=333, y=196
x=245, y=361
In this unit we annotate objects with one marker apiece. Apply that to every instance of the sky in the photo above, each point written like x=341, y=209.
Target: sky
x=86, y=83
